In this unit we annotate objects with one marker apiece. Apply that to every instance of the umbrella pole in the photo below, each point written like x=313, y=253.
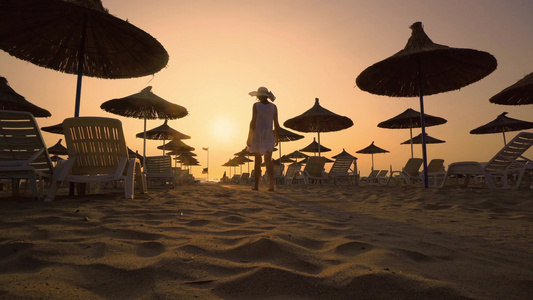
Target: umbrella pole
x=504, y=141
x=411, y=131
x=81, y=61
x=423, y=124
x=319, y=142
x=144, y=143
x=164, y=146
x=372, y=161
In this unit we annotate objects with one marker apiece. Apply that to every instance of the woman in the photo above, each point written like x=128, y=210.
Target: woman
x=261, y=138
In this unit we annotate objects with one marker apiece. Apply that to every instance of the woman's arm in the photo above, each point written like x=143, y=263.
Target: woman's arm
x=276, y=127
x=252, y=126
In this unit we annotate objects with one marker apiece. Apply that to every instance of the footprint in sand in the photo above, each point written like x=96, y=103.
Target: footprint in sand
x=150, y=249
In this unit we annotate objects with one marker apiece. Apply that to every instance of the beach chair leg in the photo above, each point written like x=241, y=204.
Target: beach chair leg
x=54, y=185
x=33, y=185
x=129, y=180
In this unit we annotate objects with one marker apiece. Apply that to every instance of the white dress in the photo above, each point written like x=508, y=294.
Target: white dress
x=263, y=138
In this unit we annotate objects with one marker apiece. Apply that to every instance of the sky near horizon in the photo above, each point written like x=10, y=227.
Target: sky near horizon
x=300, y=50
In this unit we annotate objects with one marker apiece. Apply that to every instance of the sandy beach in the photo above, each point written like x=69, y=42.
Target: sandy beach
x=211, y=241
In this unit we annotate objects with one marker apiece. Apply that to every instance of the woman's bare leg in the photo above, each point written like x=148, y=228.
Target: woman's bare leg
x=270, y=170
x=257, y=172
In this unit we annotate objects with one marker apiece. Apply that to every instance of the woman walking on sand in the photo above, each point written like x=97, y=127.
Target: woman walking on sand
x=263, y=134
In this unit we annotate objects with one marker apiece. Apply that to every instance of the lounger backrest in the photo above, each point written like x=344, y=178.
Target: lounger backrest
x=158, y=164
x=96, y=143
x=511, y=152
x=436, y=165
x=383, y=173
x=293, y=169
x=278, y=169
x=373, y=174
x=412, y=166
x=315, y=165
x=21, y=142
x=341, y=165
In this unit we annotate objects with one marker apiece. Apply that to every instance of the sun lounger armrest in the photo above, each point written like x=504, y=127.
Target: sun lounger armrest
x=122, y=167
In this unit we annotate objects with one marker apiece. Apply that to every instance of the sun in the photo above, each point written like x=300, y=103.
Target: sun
x=223, y=128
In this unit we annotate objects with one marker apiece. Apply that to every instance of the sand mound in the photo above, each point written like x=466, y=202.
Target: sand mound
x=300, y=242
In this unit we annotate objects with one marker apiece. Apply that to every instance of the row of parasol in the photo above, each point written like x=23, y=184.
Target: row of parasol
x=80, y=37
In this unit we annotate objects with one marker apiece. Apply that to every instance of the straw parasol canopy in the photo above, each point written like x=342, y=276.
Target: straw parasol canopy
x=78, y=37
x=315, y=147
x=230, y=163
x=285, y=135
x=244, y=152
x=343, y=154
x=425, y=68
x=144, y=105
x=283, y=159
x=135, y=154
x=418, y=140
x=318, y=119
x=57, y=129
x=307, y=158
x=11, y=100
x=162, y=132
x=502, y=124
x=372, y=149
x=520, y=93
x=176, y=145
x=58, y=149
x=411, y=118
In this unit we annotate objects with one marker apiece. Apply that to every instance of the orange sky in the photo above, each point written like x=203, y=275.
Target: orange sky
x=301, y=50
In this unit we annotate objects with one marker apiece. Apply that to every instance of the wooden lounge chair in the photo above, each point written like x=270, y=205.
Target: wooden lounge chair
x=245, y=178
x=369, y=179
x=236, y=178
x=279, y=178
x=291, y=175
x=504, y=171
x=23, y=153
x=436, y=172
x=409, y=174
x=159, y=168
x=340, y=171
x=381, y=178
x=97, y=153
x=314, y=170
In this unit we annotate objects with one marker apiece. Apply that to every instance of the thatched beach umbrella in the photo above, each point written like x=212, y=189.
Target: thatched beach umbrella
x=58, y=149
x=241, y=160
x=283, y=159
x=372, y=149
x=418, y=140
x=411, y=118
x=144, y=105
x=343, y=154
x=11, y=100
x=285, y=135
x=162, y=132
x=315, y=148
x=318, y=119
x=230, y=163
x=176, y=145
x=78, y=37
x=425, y=68
x=502, y=124
x=57, y=129
x=245, y=152
x=520, y=93
x=297, y=154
